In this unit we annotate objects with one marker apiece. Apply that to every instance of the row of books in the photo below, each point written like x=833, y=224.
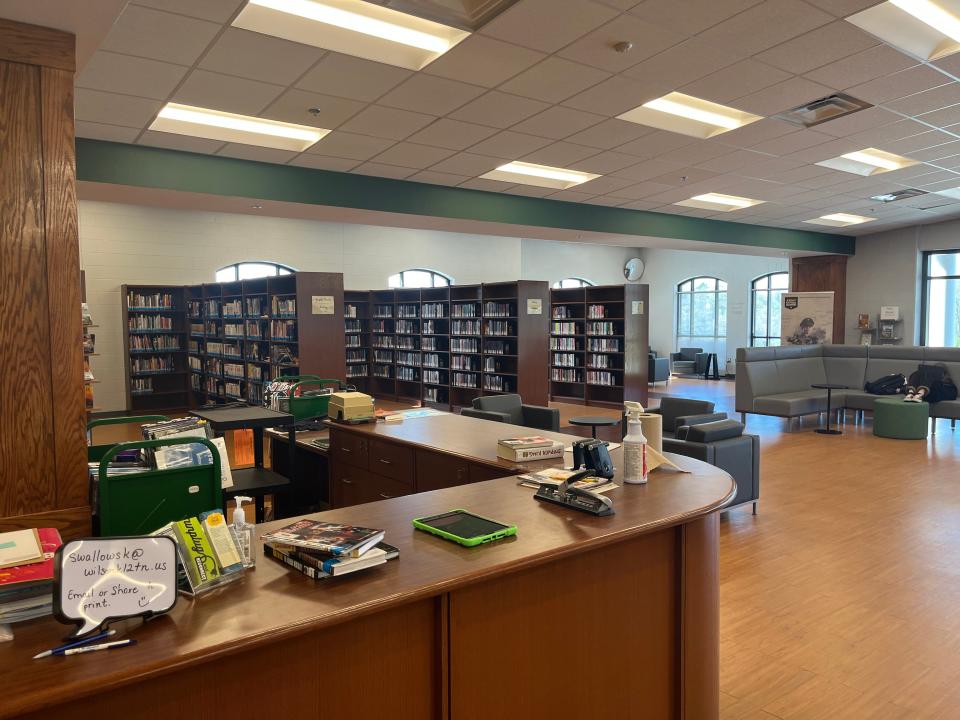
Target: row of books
x=283, y=307
x=408, y=374
x=564, y=343
x=408, y=342
x=434, y=377
x=433, y=360
x=464, y=380
x=465, y=327
x=600, y=361
x=283, y=329
x=158, y=301
x=356, y=356
x=408, y=311
x=605, y=345
x=320, y=550
x=495, y=365
x=434, y=310
x=159, y=343
x=352, y=341
x=564, y=328
x=141, y=386
x=150, y=322
x=499, y=309
x=358, y=371
x=152, y=364
x=232, y=308
x=383, y=356
x=383, y=311
x=597, y=312
x=462, y=345
x=565, y=359
x=408, y=358
x=562, y=312
x=498, y=383
x=237, y=329
x=565, y=375
x=601, y=377
x=500, y=327
x=387, y=341
x=601, y=328
x=463, y=310
x=434, y=394
x=407, y=326
x=464, y=362
x=349, y=310
x=353, y=326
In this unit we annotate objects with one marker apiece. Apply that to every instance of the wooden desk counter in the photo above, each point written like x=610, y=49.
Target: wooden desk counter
x=629, y=602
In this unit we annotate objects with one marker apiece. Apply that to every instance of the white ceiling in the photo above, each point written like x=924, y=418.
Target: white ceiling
x=541, y=83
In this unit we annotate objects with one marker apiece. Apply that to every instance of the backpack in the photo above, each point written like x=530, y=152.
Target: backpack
x=887, y=385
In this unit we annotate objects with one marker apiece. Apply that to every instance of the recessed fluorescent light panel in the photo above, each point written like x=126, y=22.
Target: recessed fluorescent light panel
x=839, y=220
x=352, y=27
x=539, y=175
x=868, y=161
x=216, y=125
x=688, y=115
x=925, y=29
x=716, y=201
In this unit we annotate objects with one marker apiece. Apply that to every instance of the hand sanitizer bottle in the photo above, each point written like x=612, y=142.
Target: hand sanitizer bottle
x=634, y=447
x=245, y=533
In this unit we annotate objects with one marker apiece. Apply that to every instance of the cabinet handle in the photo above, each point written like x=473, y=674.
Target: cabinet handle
x=386, y=497
x=346, y=450
x=346, y=482
x=386, y=462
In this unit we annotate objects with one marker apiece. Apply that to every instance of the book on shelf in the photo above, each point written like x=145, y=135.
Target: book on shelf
x=529, y=448
x=336, y=539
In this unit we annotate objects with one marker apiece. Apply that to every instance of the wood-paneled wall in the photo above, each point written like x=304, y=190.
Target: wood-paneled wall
x=42, y=445
x=821, y=273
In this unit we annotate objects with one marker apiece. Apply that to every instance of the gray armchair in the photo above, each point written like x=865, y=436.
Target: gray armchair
x=510, y=409
x=723, y=444
x=658, y=369
x=677, y=412
x=686, y=362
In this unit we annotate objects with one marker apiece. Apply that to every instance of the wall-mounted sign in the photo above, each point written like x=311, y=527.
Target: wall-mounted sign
x=100, y=579
x=534, y=306
x=637, y=307
x=806, y=318
x=322, y=305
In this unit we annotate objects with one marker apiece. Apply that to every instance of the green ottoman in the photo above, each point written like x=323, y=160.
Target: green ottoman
x=894, y=418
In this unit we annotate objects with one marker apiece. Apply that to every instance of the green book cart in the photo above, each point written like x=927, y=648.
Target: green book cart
x=310, y=403
x=96, y=452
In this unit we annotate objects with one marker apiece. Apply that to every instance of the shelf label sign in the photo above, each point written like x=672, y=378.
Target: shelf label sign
x=101, y=579
x=322, y=305
x=637, y=307
x=534, y=306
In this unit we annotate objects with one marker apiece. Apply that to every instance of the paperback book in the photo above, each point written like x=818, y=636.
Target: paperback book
x=332, y=538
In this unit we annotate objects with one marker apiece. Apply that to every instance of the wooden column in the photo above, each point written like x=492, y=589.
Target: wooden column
x=42, y=414
x=820, y=273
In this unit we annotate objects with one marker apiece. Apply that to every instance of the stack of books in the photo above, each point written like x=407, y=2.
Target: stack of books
x=526, y=449
x=26, y=573
x=321, y=549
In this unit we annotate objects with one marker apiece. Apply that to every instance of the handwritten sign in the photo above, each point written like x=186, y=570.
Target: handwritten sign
x=100, y=579
x=321, y=304
x=534, y=306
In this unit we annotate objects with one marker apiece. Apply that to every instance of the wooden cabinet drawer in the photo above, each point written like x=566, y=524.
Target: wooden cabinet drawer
x=392, y=461
x=384, y=488
x=479, y=473
x=349, y=485
x=435, y=471
x=348, y=448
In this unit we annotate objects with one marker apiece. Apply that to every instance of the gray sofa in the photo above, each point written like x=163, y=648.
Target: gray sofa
x=776, y=381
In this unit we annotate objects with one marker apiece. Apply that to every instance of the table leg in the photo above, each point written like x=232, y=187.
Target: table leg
x=828, y=430
x=258, y=447
x=593, y=430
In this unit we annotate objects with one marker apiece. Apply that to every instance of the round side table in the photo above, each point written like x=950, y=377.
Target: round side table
x=594, y=421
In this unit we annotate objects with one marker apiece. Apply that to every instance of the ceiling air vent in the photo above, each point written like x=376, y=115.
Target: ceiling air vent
x=898, y=195
x=469, y=15
x=822, y=110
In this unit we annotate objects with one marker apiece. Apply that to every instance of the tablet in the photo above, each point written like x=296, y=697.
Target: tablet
x=465, y=528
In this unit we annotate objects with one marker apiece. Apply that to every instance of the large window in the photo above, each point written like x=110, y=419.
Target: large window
x=251, y=270
x=702, y=315
x=765, y=294
x=941, y=299
x=573, y=282
x=418, y=278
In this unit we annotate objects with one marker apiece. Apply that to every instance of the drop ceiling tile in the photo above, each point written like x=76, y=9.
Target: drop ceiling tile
x=610, y=134
x=186, y=143
x=899, y=84
x=684, y=177
x=322, y=162
x=158, y=35
x=951, y=163
x=293, y=105
x=498, y=109
x=942, y=118
x=859, y=121
x=468, y=164
x=762, y=26
x=386, y=122
x=656, y=143
x=758, y=189
x=772, y=169
x=130, y=75
x=558, y=122
x=825, y=151
x=548, y=25
x=559, y=154
x=920, y=141
x=697, y=152
x=485, y=185
x=734, y=81
x=260, y=154
x=621, y=4
x=785, y=95
x=411, y=155
x=99, y=131
x=938, y=152
x=805, y=175
x=843, y=8
x=936, y=180
x=350, y=77
x=671, y=196
x=733, y=161
x=607, y=200
x=529, y=190
x=434, y=95
x=451, y=134
x=617, y=95
x=483, y=61
x=640, y=205
x=690, y=17
x=819, y=47
x=797, y=140
x=113, y=109
x=217, y=10
x=906, y=175
x=349, y=146
x=683, y=63
x=862, y=67
x=554, y=80
x=596, y=48
x=603, y=185
x=570, y=196
x=437, y=178
x=605, y=162
x=225, y=92
x=877, y=137
x=386, y=171
x=645, y=170
x=927, y=101
x=755, y=133
x=508, y=144
x=259, y=57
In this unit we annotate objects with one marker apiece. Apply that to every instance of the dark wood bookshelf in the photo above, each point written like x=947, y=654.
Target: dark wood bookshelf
x=599, y=340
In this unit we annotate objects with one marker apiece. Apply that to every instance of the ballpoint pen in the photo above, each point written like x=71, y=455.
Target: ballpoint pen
x=76, y=643
x=102, y=646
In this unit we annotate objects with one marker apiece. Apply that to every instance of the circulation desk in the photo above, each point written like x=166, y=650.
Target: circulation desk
x=577, y=617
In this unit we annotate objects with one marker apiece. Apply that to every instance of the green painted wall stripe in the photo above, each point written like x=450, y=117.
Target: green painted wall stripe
x=106, y=162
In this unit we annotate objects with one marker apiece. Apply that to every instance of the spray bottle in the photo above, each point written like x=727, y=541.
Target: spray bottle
x=244, y=532
x=634, y=447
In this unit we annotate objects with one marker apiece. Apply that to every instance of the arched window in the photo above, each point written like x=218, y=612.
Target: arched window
x=251, y=270
x=573, y=282
x=418, y=278
x=765, y=293
x=702, y=315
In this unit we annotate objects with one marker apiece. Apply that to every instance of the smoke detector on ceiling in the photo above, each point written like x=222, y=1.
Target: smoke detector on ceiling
x=822, y=110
